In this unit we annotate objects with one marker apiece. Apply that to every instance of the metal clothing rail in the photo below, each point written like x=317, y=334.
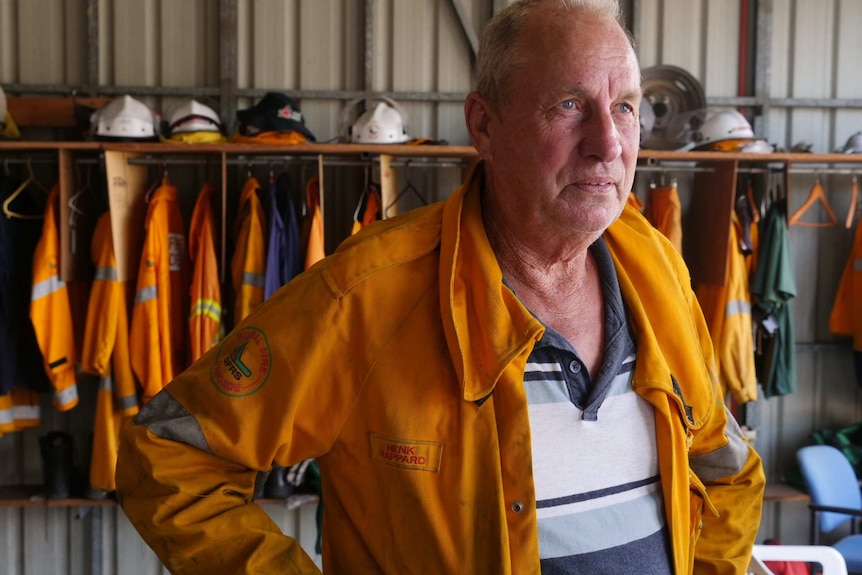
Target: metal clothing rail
x=747, y=170
x=671, y=168
x=284, y=160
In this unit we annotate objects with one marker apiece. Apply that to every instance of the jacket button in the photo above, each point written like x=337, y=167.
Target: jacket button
x=574, y=366
x=517, y=506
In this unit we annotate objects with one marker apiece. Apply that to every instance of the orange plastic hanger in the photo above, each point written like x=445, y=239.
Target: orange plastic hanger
x=854, y=196
x=816, y=195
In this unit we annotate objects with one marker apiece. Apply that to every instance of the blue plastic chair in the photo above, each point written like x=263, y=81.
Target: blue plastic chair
x=835, y=499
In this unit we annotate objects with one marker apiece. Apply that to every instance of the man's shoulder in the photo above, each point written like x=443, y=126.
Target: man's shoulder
x=385, y=246
x=632, y=228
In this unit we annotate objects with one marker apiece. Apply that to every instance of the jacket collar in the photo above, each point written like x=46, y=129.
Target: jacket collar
x=486, y=326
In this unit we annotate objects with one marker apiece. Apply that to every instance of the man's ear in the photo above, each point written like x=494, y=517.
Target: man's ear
x=478, y=114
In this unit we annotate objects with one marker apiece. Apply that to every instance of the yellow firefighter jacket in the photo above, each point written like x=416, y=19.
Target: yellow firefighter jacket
x=106, y=353
x=51, y=313
x=398, y=362
x=158, y=334
x=248, y=264
x=727, y=309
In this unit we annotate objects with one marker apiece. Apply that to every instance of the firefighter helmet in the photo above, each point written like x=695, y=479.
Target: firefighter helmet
x=384, y=122
x=127, y=118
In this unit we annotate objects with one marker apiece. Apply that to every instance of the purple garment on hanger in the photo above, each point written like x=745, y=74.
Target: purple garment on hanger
x=283, y=255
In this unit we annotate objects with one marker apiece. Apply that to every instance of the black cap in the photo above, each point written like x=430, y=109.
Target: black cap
x=274, y=112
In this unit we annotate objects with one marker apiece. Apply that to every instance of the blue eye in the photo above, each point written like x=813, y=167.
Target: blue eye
x=567, y=104
x=627, y=108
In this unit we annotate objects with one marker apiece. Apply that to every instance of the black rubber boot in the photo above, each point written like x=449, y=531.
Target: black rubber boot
x=58, y=463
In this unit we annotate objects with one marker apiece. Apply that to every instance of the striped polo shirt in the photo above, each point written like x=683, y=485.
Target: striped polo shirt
x=595, y=464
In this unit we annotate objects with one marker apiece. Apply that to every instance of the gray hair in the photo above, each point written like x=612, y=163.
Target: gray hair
x=499, y=50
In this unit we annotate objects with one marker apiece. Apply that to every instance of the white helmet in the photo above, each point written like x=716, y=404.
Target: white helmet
x=125, y=117
x=384, y=123
x=853, y=145
x=3, y=109
x=191, y=116
x=704, y=128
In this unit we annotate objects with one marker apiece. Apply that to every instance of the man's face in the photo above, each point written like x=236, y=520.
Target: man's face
x=563, y=148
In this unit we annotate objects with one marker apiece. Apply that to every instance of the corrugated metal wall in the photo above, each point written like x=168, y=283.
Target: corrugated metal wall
x=812, y=63
x=418, y=47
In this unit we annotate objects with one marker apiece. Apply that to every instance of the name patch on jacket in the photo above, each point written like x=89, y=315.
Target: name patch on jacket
x=243, y=363
x=409, y=453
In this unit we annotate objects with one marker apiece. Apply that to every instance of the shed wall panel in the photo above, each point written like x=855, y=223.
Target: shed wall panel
x=418, y=46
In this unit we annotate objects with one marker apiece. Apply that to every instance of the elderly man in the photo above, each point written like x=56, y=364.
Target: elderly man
x=515, y=381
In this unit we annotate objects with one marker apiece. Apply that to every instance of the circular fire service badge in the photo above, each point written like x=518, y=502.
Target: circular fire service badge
x=243, y=363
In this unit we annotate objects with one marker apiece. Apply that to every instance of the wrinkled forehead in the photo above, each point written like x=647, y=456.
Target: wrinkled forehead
x=579, y=46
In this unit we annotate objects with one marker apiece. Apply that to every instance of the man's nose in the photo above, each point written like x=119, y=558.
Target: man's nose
x=601, y=138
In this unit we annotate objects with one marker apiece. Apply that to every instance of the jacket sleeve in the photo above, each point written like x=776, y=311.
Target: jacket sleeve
x=100, y=332
x=189, y=463
x=193, y=507
x=51, y=313
x=732, y=475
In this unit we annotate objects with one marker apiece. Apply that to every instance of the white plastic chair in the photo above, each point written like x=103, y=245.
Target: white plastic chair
x=830, y=560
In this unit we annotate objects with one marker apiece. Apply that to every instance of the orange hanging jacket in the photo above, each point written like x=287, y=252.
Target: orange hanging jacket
x=664, y=211
x=158, y=335
x=248, y=265
x=51, y=313
x=205, y=325
x=846, y=315
x=106, y=353
x=369, y=209
x=727, y=310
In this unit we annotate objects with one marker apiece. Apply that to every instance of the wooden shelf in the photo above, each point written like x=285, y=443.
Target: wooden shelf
x=784, y=492
x=429, y=151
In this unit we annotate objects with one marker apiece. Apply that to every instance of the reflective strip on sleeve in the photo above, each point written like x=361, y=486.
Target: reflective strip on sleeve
x=6, y=416
x=737, y=306
x=207, y=307
x=252, y=279
x=106, y=274
x=66, y=396
x=857, y=265
x=125, y=402
x=27, y=412
x=146, y=294
x=106, y=383
x=47, y=287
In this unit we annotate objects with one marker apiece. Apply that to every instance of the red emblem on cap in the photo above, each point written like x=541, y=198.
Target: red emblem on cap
x=285, y=113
